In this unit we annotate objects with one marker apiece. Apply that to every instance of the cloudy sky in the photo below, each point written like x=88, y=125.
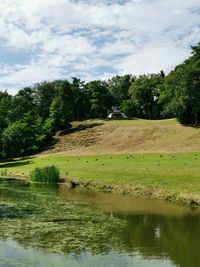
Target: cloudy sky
x=91, y=39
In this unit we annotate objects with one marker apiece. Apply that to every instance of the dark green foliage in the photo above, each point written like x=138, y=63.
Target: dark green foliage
x=119, y=87
x=145, y=92
x=101, y=99
x=61, y=109
x=81, y=108
x=181, y=95
x=12, y=139
x=22, y=131
x=47, y=175
x=56, y=114
x=129, y=108
x=44, y=94
x=22, y=103
x=5, y=103
x=24, y=137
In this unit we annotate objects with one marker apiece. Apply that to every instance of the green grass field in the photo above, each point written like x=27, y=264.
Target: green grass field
x=174, y=173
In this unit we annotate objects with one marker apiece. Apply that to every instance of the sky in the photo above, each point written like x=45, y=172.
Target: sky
x=93, y=39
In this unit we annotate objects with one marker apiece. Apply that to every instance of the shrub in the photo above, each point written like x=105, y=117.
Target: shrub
x=48, y=174
x=4, y=173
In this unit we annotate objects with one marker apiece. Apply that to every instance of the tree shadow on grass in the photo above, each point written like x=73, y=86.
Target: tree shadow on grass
x=48, y=145
x=15, y=164
x=81, y=127
x=192, y=125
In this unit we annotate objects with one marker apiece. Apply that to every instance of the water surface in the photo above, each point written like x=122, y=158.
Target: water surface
x=56, y=226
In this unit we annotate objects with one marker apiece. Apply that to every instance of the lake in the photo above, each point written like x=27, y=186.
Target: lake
x=57, y=226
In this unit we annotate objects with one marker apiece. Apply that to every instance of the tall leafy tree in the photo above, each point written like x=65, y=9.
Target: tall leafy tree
x=24, y=136
x=61, y=109
x=22, y=103
x=145, y=92
x=81, y=100
x=5, y=108
x=119, y=87
x=44, y=94
x=181, y=96
x=101, y=99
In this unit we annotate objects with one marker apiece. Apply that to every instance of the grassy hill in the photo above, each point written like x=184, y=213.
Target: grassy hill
x=93, y=137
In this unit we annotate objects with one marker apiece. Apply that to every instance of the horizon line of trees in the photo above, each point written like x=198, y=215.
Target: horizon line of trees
x=29, y=119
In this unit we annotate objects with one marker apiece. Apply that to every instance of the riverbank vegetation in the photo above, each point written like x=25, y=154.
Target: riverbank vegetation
x=29, y=120
x=46, y=175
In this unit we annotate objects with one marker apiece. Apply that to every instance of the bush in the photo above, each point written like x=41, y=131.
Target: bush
x=4, y=173
x=48, y=174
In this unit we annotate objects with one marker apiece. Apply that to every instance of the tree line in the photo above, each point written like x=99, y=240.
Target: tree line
x=29, y=119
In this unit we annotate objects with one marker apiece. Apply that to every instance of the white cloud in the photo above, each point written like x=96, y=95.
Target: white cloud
x=153, y=58
x=94, y=38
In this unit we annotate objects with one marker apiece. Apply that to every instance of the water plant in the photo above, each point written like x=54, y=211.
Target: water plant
x=49, y=174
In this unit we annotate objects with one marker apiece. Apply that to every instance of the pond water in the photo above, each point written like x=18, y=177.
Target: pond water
x=55, y=226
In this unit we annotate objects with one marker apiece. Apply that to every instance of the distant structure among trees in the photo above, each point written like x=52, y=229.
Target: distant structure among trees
x=117, y=115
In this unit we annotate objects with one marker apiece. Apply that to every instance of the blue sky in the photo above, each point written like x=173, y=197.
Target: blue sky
x=58, y=39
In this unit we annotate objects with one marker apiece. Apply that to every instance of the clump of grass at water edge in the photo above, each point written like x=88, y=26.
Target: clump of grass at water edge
x=50, y=174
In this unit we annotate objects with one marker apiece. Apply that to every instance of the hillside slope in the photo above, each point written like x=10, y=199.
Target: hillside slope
x=131, y=136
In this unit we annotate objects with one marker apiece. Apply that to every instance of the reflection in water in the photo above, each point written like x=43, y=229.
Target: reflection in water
x=55, y=226
x=12, y=254
x=159, y=236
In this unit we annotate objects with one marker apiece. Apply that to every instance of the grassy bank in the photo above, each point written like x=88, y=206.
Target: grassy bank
x=97, y=137
x=158, y=174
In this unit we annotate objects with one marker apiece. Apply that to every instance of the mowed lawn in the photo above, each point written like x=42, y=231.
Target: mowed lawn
x=177, y=173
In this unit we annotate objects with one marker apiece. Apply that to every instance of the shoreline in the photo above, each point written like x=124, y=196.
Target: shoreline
x=139, y=191
x=136, y=191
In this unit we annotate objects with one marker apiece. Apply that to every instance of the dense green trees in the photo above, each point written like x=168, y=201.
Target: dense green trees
x=44, y=94
x=145, y=92
x=5, y=103
x=119, y=86
x=29, y=119
x=61, y=108
x=24, y=136
x=101, y=100
x=22, y=103
x=181, y=94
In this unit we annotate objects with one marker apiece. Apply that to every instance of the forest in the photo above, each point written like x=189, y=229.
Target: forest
x=29, y=120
